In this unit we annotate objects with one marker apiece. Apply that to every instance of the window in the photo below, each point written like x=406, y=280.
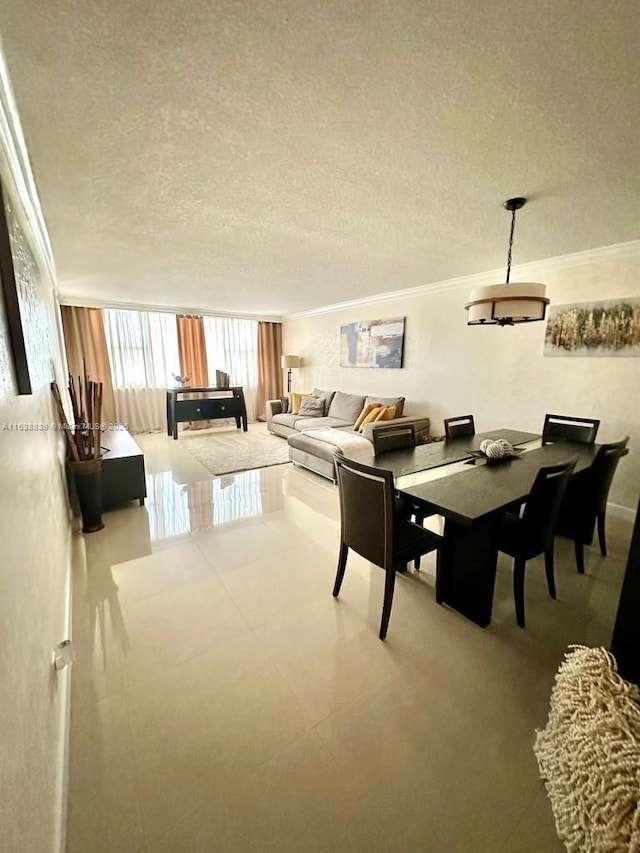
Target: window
x=143, y=348
x=232, y=346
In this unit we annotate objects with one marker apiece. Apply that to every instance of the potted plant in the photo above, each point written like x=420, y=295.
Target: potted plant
x=83, y=446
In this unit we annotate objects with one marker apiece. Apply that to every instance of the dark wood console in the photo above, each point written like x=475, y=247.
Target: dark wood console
x=228, y=403
x=123, y=477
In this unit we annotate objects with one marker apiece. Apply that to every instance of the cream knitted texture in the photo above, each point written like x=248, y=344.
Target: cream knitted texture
x=589, y=754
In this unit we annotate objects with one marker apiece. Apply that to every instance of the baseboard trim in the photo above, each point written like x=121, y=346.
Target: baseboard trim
x=64, y=686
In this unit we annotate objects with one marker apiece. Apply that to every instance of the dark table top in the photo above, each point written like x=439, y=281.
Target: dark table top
x=470, y=495
x=426, y=456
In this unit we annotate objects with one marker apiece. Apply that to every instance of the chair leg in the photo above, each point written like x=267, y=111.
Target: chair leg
x=548, y=565
x=579, y=548
x=601, y=537
x=389, y=586
x=342, y=565
x=416, y=563
x=518, y=589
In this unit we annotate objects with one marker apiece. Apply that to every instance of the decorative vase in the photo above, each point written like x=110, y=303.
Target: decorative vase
x=87, y=476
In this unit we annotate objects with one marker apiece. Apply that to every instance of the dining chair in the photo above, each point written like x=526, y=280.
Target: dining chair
x=567, y=428
x=532, y=533
x=457, y=427
x=585, y=501
x=371, y=526
x=400, y=437
x=393, y=437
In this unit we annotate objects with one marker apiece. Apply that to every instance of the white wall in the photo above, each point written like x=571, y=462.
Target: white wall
x=34, y=560
x=498, y=374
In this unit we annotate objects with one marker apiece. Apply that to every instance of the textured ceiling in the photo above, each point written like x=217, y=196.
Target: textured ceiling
x=270, y=157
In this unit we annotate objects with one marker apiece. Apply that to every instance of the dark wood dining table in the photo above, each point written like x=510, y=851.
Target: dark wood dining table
x=471, y=496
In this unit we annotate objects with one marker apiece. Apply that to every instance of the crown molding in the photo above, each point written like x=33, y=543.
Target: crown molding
x=81, y=302
x=17, y=176
x=526, y=272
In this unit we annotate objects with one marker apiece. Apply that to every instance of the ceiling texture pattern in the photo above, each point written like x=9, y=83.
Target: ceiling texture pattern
x=273, y=157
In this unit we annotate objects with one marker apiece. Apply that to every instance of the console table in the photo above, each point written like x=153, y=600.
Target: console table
x=231, y=405
x=123, y=477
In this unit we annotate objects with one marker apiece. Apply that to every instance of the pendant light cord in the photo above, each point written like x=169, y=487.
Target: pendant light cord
x=513, y=225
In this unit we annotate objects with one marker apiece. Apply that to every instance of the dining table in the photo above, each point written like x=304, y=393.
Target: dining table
x=451, y=478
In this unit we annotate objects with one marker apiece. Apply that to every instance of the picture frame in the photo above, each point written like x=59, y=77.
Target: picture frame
x=373, y=343
x=11, y=302
x=26, y=308
x=608, y=327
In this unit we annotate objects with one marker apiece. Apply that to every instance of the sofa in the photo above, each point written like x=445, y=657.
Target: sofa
x=314, y=440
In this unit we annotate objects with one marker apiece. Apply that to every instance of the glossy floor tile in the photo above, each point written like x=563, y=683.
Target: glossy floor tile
x=222, y=700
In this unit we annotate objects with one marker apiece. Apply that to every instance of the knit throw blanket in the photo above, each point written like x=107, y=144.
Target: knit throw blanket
x=589, y=755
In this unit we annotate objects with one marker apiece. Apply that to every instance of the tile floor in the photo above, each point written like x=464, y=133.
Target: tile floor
x=222, y=700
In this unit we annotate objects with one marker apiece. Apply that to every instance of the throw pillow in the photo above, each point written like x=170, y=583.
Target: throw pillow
x=312, y=407
x=387, y=413
x=363, y=414
x=296, y=402
x=371, y=417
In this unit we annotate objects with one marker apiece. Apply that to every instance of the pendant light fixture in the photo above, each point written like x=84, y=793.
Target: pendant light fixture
x=507, y=304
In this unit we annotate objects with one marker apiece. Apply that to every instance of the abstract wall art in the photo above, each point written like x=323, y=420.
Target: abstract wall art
x=24, y=306
x=372, y=343
x=609, y=328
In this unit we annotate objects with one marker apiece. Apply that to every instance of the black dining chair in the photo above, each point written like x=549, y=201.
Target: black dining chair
x=400, y=437
x=457, y=427
x=567, y=428
x=371, y=526
x=532, y=533
x=585, y=501
x=393, y=437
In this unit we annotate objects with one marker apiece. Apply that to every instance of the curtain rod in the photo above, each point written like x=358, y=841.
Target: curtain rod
x=74, y=301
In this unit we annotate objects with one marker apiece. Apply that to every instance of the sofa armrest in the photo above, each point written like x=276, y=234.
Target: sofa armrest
x=274, y=407
x=421, y=425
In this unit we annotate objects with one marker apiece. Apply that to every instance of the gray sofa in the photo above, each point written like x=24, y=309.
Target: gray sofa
x=342, y=411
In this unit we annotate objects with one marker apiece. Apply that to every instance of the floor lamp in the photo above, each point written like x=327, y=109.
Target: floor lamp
x=289, y=362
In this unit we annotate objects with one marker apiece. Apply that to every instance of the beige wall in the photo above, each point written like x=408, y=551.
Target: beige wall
x=34, y=575
x=498, y=374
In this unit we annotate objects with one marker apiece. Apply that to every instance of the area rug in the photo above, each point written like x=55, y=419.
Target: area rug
x=235, y=450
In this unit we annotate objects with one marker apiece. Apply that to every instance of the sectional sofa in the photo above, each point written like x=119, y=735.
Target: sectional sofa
x=313, y=441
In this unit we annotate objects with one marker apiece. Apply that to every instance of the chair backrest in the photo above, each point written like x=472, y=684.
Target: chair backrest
x=567, y=428
x=462, y=425
x=543, y=506
x=393, y=437
x=366, y=509
x=602, y=470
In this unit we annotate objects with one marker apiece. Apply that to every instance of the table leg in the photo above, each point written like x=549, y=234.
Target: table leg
x=467, y=569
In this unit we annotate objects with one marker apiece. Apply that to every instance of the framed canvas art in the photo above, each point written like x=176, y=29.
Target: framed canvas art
x=24, y=306
x=607, y=328
x=372, y=343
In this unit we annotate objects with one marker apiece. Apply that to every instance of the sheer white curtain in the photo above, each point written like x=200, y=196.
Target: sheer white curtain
x=143, y=351
x=232, y=346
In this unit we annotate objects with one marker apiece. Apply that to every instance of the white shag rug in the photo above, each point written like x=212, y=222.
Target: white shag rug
x=589, y=754
x=234, y=450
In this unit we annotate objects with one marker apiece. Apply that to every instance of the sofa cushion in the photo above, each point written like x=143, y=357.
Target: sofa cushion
x=311, y=407
x=398, y=402
x=317, y=423
x=346, y=407
x=287, y=420
x=325, y=396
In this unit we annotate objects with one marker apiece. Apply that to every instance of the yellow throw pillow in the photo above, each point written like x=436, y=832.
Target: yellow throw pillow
x=296, y=402
x=387, y=413
x=372, y=416
x=363, y=414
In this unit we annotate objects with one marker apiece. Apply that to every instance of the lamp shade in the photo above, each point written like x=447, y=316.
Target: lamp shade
x=290, y=361
x=507, y=304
